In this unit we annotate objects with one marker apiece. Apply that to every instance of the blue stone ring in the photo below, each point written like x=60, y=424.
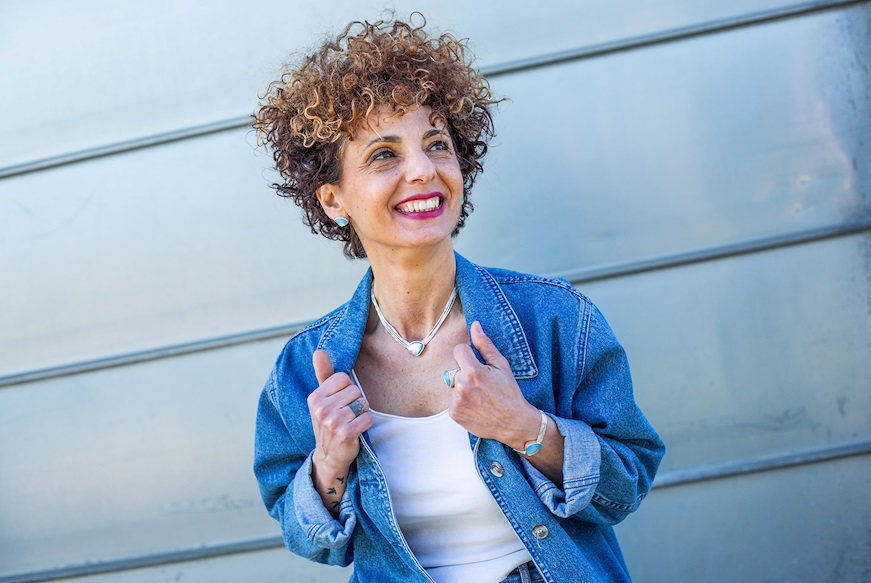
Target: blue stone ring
x=448, y=376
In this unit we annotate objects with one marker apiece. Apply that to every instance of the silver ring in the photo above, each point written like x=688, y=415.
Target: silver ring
x=448, y=377
x=357, y=407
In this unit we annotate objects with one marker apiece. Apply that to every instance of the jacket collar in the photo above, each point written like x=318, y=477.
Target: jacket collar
x=482, y=298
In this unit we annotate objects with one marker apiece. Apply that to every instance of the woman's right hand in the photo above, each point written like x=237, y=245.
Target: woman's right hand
x=337, y=429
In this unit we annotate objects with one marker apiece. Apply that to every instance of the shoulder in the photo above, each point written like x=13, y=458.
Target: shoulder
x=294, y=360
x=528, y=288
x=316, y=328
x=309, y=335
x=544, y=304
x=548, y=305
x=544, y=300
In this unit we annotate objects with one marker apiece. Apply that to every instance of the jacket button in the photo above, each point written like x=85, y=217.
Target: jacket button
x=496, y=469
x=539, y=531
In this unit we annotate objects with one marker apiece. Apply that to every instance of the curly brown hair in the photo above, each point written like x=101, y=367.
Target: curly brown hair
x=309, y=112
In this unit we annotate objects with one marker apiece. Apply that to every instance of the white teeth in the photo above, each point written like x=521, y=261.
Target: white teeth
x=420, y=206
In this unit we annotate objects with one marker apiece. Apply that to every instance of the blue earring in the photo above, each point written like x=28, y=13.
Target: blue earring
x=341, y=221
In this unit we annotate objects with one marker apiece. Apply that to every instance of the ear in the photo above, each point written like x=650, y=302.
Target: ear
x=326, y=194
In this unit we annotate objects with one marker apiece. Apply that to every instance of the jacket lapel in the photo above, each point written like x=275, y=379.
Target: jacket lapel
x=343, y=337
x=483, y=300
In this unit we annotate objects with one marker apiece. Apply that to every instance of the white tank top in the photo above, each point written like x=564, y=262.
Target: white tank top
x=446, y=513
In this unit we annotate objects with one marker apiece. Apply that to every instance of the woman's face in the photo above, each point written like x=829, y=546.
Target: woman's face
x=401, y=184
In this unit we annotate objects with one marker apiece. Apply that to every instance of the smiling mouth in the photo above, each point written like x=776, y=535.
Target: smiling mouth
x=420, y=206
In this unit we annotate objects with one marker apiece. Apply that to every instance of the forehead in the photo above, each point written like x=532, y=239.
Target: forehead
x=385, y=120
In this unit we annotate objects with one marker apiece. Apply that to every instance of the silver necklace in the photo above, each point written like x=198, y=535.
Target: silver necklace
x=416, y=347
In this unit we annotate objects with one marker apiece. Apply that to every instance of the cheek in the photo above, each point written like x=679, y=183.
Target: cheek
x=451, y=174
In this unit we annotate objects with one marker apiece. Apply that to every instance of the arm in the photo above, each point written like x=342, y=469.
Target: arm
x=285, y=466
x=611, y=452
x=283, y=474
x=487, y=401
x=630, y=449
x=549, y=460
x=599, y=457
x=337, y=428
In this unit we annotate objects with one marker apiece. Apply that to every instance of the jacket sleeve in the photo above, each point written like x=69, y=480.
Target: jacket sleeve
x=283, y=471
x=611, y=451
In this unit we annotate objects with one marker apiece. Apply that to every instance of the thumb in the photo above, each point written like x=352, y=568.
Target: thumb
x=323, y=365
x=485, y=346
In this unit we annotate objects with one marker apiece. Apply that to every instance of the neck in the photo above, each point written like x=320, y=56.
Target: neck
x=412, y=290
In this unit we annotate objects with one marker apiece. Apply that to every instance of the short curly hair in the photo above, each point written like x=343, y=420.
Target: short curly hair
x=307, y=114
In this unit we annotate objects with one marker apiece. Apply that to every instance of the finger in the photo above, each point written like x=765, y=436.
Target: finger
x=466, y=359
x=344, y=431
x=323, y=365
x=342, y=397
x=346, y=423
x=325, y=403
x=485, y=346
x=357, y=406
x=361, y=423
x=335, y=419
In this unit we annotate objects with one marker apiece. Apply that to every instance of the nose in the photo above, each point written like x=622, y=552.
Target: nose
x=419, y=168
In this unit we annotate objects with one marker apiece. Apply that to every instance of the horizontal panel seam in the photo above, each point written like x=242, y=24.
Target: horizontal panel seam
x=125, y=146
x=716, y=252
x=158, y=353
x=575, y=277
x=734, y=468
x=669, y=35
x=675, y=34
x=142, y=561
x=664, y=480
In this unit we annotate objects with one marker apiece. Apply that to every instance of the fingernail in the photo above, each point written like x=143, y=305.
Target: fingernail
x=477, y=325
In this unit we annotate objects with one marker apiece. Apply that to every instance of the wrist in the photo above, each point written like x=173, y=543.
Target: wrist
x=323, y=467
x=530, y=442
x=329, y=482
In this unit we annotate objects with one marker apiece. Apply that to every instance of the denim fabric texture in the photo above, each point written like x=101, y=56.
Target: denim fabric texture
x=525, y=573
x=568, y=364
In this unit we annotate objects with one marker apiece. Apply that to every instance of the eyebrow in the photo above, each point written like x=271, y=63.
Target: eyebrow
x=396, y=139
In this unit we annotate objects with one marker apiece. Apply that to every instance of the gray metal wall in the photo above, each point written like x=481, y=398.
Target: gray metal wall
x=701, y=169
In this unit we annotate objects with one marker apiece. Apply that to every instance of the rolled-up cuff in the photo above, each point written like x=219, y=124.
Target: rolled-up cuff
x=581, y=460
x=315, y=520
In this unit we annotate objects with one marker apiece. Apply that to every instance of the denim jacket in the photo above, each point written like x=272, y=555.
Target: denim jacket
x=568, y=364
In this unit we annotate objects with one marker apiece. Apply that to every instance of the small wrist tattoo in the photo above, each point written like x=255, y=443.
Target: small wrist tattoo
x=341, y=479
x=331, y=491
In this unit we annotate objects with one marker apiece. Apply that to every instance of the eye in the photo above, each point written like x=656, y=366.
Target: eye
x=439, y=145
x=382, y=154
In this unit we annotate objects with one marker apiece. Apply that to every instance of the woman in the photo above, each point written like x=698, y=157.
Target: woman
x=448, y=423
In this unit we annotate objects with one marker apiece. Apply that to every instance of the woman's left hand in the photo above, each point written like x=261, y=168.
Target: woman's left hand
x=486, y=399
